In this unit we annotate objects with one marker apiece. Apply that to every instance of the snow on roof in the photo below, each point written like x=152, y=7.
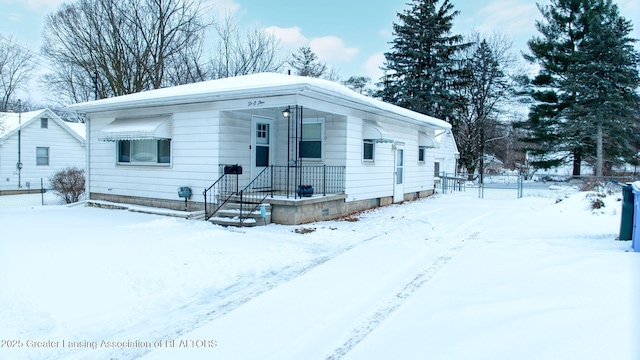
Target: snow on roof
x=250, y=86
x=11, y=121
x=78, y=128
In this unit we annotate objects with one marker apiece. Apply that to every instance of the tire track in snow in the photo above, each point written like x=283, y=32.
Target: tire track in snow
x=375, y=319
x=203, y=310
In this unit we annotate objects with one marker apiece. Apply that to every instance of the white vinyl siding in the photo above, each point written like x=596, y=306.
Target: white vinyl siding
x=193, y=159
x=371, y=180
x=64, y=150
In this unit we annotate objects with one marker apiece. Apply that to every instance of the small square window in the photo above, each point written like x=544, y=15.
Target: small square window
x=422, y=153
x=44, y=123
x=368, y=153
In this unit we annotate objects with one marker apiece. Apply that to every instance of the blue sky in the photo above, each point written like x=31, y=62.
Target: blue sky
x=350, y=35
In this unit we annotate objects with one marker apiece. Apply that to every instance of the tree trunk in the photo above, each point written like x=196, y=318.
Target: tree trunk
x=577, y=163
x=599, y=150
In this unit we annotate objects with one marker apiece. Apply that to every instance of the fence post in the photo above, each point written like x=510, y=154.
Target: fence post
x=520, y=187
x=272, y=180
x=42, y=190
x=324, y=180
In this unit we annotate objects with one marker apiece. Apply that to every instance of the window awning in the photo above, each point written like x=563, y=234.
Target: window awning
x=426, y=141
x=373, y=131
x=154, y=128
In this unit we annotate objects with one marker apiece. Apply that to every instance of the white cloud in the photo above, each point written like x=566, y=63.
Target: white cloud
x=512, y=17
x=372, y=66
x=37, y=5
x=332, y=49
x=386, y=34
x=223, y=8
x=15, y=17
x=292, y=38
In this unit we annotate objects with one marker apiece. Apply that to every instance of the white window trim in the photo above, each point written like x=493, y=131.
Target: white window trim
x=315, y=120
x=424, y=155
x=39, y=157
x=143, y=163
x=373, y=154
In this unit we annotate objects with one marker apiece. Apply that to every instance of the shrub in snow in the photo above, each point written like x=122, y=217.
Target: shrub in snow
x=597, y=204
x=595, y=200
x=68, y=184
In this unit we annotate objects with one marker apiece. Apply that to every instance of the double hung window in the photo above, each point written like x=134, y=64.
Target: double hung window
x=311, y=138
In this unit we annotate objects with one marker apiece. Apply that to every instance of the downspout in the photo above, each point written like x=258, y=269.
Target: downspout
x=87, y=144
x=87, y=147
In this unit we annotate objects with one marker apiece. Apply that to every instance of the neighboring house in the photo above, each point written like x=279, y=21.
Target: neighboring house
x=446, y=154
x=34, y=145
x=287, y=134
x=561, y=172
x=492, y=165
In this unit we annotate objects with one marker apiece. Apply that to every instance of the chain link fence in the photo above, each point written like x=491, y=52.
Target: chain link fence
x=516, y=186
x=28, y=193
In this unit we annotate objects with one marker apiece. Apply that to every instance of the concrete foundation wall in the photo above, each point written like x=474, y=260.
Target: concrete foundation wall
x=301, y=211
x=283, y=211
x=142, y=201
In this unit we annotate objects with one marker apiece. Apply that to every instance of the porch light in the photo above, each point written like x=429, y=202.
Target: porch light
x=286, y=112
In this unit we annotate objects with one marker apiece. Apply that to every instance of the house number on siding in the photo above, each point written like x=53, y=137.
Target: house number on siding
x=255, y=103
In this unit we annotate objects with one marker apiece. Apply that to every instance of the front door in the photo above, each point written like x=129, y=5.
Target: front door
x=398, y=186
x=261, y=144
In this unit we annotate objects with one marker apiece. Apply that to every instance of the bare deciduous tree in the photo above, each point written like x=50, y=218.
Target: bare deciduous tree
x=256, y=51
x=117, y=47
x=16, y=65
x=483, y=88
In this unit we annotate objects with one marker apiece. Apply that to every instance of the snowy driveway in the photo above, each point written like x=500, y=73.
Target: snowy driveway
x=449, y=277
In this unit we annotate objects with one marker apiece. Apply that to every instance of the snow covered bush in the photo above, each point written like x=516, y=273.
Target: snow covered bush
x=68, y=184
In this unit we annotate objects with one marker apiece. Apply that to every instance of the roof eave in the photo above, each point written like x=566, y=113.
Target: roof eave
x=359, y=102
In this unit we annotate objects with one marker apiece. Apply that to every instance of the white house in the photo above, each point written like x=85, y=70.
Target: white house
x=286, y=134
x=34, y=145
x=446, y=153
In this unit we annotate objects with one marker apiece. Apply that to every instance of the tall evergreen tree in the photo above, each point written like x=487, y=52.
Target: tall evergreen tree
x=586, y=104
x=419, y=69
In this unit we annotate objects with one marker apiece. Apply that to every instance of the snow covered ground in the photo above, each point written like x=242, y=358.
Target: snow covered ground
x=447, y=277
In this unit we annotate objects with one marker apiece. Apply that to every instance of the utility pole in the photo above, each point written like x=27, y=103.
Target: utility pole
x=19, y=164
x=481, y=166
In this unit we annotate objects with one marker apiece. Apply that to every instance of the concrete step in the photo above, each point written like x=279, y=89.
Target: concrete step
x=235, y=221
x=256, y=215
x=197, y=215
x=229, y=215
x=236, y=205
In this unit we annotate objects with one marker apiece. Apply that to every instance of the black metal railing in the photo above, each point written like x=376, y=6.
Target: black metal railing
x=254, y=194
x=285, y=181
x=218, y=194
x=324, y=180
